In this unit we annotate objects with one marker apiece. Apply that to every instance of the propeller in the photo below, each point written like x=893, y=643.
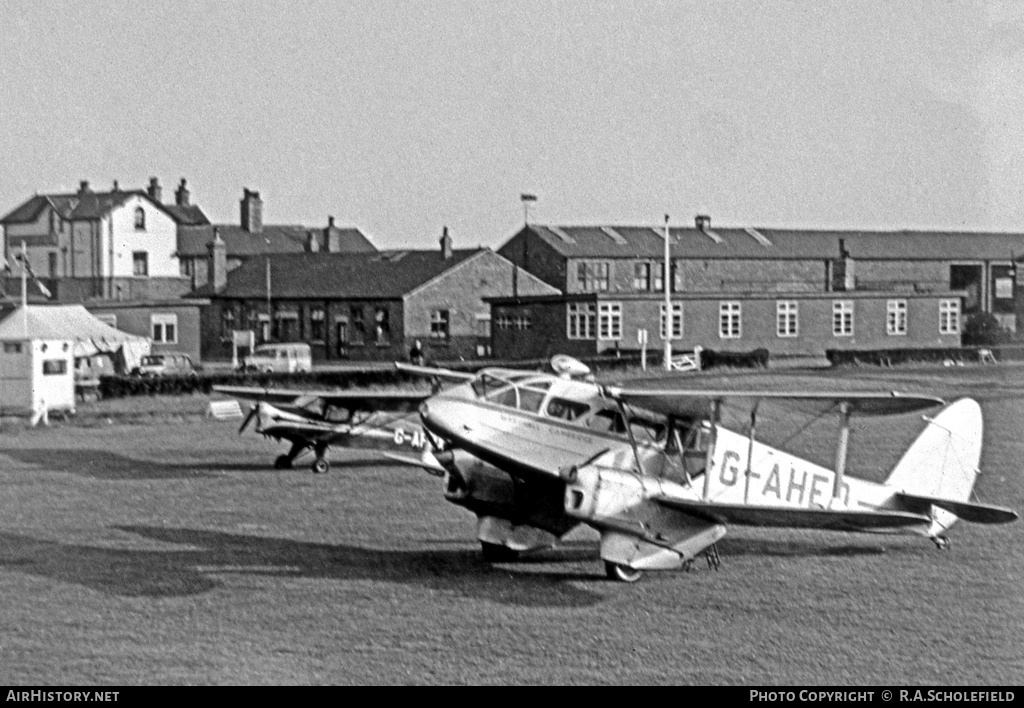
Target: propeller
x=253, y=412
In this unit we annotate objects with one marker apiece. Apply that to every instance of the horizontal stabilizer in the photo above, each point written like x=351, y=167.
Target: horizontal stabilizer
x=795, y=517
x=966, y=511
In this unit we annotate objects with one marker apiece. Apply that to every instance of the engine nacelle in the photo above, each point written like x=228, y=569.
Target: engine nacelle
x=593, y=493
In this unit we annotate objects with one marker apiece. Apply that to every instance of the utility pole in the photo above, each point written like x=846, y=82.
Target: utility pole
x=668, y=304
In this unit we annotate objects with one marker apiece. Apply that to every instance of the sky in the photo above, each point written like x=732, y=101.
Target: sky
x=401, y=117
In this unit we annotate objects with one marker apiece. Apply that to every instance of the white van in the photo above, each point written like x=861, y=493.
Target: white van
x=285, y=358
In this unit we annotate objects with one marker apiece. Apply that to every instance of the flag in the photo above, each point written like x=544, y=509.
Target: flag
x=528, y=197
x=42, y=288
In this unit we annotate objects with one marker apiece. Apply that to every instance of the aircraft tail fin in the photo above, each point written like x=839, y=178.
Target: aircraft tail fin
x=941, y=465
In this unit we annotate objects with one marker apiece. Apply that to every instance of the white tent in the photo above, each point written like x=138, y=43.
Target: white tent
x=38, y=346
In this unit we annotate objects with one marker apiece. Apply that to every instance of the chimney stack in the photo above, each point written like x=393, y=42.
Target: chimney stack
x=155, y=192
x=218, y=275
x=702, y=222
x=332, y=241
x=117, y=188
x=312, y=243
x=446, y=244
x=252, y=211
x=83, y=187
x=181, y=194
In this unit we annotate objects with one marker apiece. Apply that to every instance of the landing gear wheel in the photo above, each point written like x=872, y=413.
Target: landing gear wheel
x=321, y=465
x=283, y=462
x=621, y=573
x=496, y=553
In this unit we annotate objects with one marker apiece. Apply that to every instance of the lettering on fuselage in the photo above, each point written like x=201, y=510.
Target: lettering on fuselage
x=788, y=480
x=414, y=438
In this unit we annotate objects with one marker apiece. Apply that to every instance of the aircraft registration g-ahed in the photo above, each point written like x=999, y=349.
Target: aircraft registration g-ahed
x=654, y=471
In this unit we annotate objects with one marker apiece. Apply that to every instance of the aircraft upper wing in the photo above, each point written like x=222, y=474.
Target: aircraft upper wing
x=695, y=403
x=794, y=517
x=362, y=400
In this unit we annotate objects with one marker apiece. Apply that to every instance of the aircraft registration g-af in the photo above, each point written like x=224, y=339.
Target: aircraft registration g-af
x=654, y=471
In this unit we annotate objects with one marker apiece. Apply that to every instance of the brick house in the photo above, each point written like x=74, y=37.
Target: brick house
x=251, y=238
x=363, y=306
x=793, y=292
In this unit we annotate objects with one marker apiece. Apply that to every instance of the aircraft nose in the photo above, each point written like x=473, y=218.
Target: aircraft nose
x=437, y=417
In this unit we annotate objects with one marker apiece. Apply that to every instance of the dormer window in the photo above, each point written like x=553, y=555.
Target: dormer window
x=140, y=219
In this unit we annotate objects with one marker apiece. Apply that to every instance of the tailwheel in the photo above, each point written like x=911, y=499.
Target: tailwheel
x=621, y=573
x=496, y=553
x=283, y=462
x=321, y=465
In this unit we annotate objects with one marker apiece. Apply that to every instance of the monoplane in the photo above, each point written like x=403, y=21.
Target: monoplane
x=534, y=454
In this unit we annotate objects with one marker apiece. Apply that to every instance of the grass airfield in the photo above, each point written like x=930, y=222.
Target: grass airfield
x=142, y=543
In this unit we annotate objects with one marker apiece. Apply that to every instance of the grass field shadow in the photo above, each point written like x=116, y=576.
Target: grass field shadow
x=211, y=555
x=102, y=464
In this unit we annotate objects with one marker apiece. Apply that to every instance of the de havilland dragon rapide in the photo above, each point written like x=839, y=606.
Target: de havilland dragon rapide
x=535, y=454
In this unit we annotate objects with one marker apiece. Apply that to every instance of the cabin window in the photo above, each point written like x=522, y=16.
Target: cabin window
x=949, y=316
x=607, y=421
x=55, y=367
x=609, y=320
x=730, y=320
x=140, y=219
x=842, y=318
x=582, y=322
x=677, y=320
x=164, y=328
x=787, y=318
x=896, y=317
x=532, y=395
x=566, y=409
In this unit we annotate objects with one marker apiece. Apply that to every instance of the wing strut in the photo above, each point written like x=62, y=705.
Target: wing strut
x=716, y=413
x=750, y=452
x=632, y=440
x=841, y=450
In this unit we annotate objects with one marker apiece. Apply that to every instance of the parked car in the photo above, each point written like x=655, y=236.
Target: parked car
x=166, y=364
x=284, y=358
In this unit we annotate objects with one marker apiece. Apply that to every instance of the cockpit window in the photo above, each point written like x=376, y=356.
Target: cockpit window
x=566, y=409
x=513, y=391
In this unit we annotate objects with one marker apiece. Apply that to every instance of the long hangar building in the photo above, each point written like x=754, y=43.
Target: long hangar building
x=794, y=292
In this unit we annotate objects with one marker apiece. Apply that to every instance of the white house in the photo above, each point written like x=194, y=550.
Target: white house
x=102, y=244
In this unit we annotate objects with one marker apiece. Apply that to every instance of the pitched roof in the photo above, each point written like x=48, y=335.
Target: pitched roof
x=95, y=205
x=382, y=275
x=193, y=241
x=764, y=243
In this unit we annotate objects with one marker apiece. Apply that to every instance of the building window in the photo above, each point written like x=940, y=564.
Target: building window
x=677, y=321
x=581, y=320
x=52, y=262
x=357, y=331
x=164, y=329
x=787, y=318
x=522, y=322
x=440, y=325
x=140, y=263
x=12, y=347
x=642, y=276
x=842, y=318
x=729, y=320
x=227, y=323
x=140, y=219
x=341, y=330
x=609, y=321
x=286, y=325
x=317, y=324
x=504, y=322
x=896, y=317
x=382, y=326
x=483, y=324
x=949, y=316
x=55, y=367
x=593, y=276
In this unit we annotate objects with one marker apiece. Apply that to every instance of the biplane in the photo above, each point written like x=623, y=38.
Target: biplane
x=535, y=454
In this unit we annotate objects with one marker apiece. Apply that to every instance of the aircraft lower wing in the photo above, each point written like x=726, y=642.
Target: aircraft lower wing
x=794, y=517
x=968, y=511
x=369, y=401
